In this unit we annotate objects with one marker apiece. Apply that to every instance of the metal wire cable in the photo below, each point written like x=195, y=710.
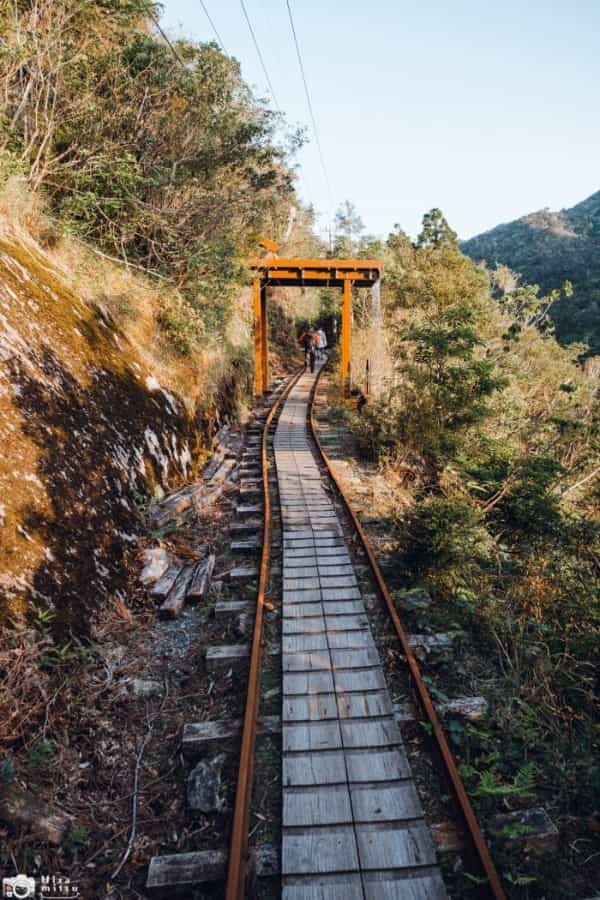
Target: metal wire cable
x=310, y=109
x=167, y=41
x=260, y=56
x=212, y=25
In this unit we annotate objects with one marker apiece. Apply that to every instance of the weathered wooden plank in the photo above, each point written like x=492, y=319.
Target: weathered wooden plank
x=307, y=683
x=300, y=571
x=347, y=886
x=226, y=655
x=311, y=736
x=431, y=642
x=172, y=606
x=316, y=805
x=342, y=640
x=176, y=874
x=370, y=733
x=388, y=802
x=310, y=596
x=243, y=574
x=341, y=568
x=303, y=643
x=335, y=582
x=416, y=886
x=377, y=765
x=306, y=662
x=326, y=767
x=355, y=658
x=315, y=850
x=347, y=593
x=360, y=706
x=301, y=610
x=229, y=608
x=300, y=584
x=305, y=625
x=309, y=708
x=161, y=588
x=347, y=622
x=393, y=846
x=251, y=545
x=343, y=607
x=246, y=510
x=359, y=680
x=200, y=582
x=202, y=737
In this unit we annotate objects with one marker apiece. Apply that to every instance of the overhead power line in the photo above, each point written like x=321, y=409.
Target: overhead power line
x=260, y=56
x=310, y=109
x=212, y=25
x=166, y=39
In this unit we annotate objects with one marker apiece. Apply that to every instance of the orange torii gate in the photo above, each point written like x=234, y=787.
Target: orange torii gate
x=273, y=271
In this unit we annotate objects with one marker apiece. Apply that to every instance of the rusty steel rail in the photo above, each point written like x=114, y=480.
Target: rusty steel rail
x=238, y=851
x=464, y=804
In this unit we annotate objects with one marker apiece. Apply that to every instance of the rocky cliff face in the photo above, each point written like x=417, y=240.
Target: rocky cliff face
x=88, y=434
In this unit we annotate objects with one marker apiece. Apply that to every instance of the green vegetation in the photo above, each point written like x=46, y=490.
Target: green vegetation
x=161, y=159
x=548, y=248
x=493, y=428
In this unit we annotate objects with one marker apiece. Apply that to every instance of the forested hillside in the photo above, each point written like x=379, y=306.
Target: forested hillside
x=547, y=249
x=135, y=177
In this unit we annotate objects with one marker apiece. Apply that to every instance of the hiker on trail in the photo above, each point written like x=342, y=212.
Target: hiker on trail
x=322, y=343
x=307, y=339
x=317, y=344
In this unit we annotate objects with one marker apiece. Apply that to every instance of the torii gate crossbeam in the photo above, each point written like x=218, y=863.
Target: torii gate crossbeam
x=281, y=272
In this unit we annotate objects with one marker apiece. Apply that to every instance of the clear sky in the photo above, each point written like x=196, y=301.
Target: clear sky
x=488, y=110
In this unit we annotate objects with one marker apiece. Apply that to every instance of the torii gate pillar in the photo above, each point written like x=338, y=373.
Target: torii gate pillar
x=261, y=339
x=346, y=333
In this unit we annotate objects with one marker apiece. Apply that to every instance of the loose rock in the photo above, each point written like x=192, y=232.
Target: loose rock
x=204, y=786
x=156, y=563
x=20, y=809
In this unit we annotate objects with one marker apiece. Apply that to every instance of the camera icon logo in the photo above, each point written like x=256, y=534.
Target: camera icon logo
x=19, y=887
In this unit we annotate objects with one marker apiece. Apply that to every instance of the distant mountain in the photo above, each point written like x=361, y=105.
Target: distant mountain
x=547, y=248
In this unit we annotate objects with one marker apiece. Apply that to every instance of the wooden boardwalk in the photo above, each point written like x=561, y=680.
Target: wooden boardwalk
x=352, y=823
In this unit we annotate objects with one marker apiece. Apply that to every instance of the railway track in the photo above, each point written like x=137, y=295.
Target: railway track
x=352, y=823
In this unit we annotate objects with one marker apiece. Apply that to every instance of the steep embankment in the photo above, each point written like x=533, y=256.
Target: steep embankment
x=87, y=431
x=547, y=248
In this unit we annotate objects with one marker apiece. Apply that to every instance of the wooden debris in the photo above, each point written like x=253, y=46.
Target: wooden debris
x=471, y=708
x=251, y=545
x=173, y=605
x=226, y=608
x=164, y=584
x=243, y=573
x=200, y=581
x=213, y=464
x=201, y=737
x=226, y=656
x=178, y=873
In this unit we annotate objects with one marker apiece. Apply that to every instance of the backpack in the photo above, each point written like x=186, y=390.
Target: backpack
x=308, y=341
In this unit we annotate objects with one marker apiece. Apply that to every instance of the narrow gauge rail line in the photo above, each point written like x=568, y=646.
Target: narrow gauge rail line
x=471, y=824
x=335, y=800
x=238, y=853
